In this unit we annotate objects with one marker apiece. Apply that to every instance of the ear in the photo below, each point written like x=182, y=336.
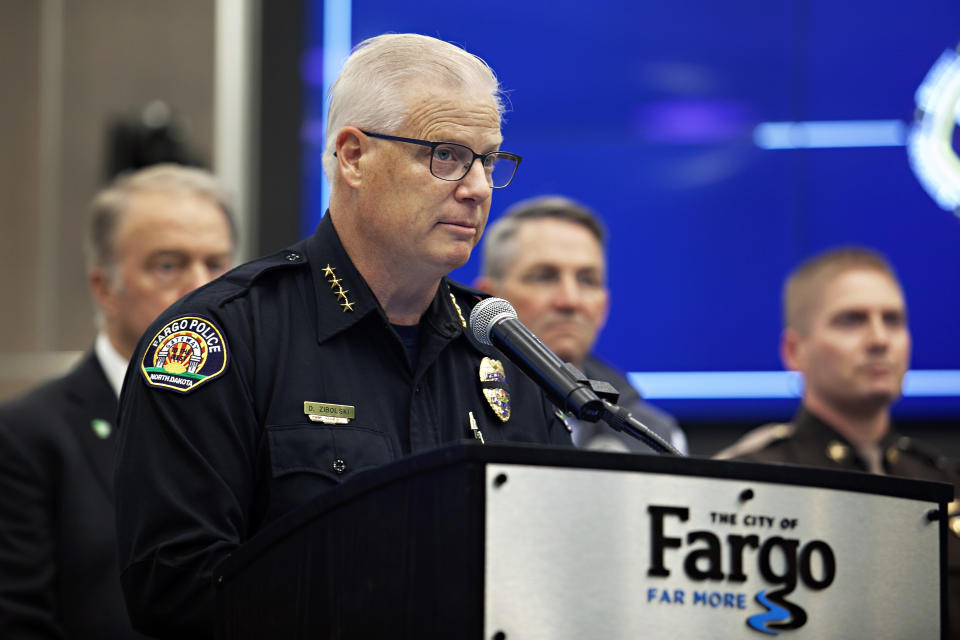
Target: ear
x=351, y=145
x=791, y=350
x=485, y=284
x=103, y=290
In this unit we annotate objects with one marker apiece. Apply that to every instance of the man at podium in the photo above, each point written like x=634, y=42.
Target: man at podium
x=846, y=332
x=348, y=350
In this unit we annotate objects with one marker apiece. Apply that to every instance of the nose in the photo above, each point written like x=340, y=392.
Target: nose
x=567, y=294
x=878, y=333
x=475, y=185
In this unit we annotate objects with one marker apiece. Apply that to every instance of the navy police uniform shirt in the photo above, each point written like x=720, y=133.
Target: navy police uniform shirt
x=272, y=385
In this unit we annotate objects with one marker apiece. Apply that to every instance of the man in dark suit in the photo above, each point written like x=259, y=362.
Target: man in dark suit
x=546, y=256
x=154, y=235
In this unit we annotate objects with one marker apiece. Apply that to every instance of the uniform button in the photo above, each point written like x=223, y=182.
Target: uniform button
x=339, y=465
x=837, y=451
x=293, y=256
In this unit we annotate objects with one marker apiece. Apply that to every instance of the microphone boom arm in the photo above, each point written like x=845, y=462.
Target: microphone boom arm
x=620, y=419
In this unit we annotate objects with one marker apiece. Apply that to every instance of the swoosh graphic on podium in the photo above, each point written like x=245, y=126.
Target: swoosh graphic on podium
x=774, y=612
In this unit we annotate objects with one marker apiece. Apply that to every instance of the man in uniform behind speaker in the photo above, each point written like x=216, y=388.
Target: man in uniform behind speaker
x=154, y=235
x=846, y=331
x=546, y=257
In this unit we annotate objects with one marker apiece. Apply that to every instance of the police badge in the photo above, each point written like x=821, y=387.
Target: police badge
x=493, y=382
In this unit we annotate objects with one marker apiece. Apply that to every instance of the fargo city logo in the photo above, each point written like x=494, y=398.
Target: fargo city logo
x=784, y=563
x=186, y=352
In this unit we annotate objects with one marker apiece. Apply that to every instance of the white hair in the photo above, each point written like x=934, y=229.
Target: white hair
x=372, y=91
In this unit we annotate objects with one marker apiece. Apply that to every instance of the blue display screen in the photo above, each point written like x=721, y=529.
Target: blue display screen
x=652, y=114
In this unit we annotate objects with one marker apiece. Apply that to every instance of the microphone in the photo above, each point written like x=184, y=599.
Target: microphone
x=494, y=322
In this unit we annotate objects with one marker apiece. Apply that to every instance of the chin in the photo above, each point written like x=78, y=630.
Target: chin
x=888, y=396
x=567, y=355
x=569, y=349
x=877, y=400
x=455, y=257
x=889, y=391
x=454, y=263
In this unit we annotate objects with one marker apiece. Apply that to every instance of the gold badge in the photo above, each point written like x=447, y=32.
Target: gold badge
x=493, y=382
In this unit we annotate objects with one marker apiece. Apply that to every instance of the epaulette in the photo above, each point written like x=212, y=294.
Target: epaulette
x=238, y=281
x=757, y=440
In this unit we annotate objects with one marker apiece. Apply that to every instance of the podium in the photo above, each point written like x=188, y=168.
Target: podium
x=516, y=542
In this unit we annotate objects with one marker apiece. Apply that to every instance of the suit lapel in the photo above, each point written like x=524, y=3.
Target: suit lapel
x=92, y=417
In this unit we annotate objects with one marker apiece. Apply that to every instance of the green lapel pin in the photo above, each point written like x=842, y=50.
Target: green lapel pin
x=101, y=427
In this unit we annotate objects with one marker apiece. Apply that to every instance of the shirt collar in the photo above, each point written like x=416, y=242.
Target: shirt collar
x=810, y=425
x=113, y=364
x=342, y=296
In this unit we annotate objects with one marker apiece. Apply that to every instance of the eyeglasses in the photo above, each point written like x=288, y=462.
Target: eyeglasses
x=451, y=161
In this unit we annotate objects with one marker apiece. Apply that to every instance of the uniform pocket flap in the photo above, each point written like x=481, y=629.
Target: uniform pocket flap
x=333, y=451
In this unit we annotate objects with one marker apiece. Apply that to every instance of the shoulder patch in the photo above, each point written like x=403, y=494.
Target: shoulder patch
x=185, y=353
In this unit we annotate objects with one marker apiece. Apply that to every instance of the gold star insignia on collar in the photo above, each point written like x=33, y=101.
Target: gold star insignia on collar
x=337, y=283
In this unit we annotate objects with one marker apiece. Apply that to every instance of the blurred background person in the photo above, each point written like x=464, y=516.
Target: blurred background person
x=547, y=257
x=845, y=330
x=153, y=236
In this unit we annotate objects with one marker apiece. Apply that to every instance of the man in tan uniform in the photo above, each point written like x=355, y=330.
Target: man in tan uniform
x=846, y=332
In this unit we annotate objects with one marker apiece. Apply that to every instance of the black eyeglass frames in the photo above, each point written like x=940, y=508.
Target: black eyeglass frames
x=451, y=161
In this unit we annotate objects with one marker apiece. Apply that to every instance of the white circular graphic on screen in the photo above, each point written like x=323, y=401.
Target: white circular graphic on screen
x=930, y=145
